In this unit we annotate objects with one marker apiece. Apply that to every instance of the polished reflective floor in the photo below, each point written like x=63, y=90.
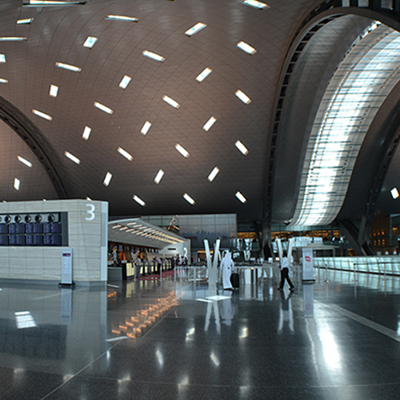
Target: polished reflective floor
x=336, y=339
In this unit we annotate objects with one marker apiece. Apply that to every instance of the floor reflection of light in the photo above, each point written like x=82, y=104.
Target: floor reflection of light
x=160, y=358
x=183, y=384
x=244, y=333
x=67, y=377
x=214, y=359
x=329, y=348
x=189, y=334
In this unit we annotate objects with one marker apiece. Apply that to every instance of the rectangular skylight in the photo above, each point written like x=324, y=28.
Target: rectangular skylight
x=395, y=193
x=107, y=179
x=153, y=56
x=90, y=42
x=189, y=199
x=200, y=78
x=42, y=115
x=171, y=102
x=182, y=150
x=102, y=107
x=76, y=160
x=86, y=133
x=17, y=183
x=122, y=18
x=146, y=127
x=2, y=58
x=242, y=148
x=246, y=48
x=209, y=123
x=2, y=80
x=24, y=161
x=256, y=4
x=213, y=174
x=159, y=176
x=48, y=3
x=12, y=38
x=243, y=97
x=69, y=67
x=53, y=90
x=139, y=200
x=25, y=21
x=241, y=197
x=125, y=82
x=125, y=153
x=194, y=29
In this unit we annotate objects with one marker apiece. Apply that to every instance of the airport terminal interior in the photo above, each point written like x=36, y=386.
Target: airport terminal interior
x=136, y=131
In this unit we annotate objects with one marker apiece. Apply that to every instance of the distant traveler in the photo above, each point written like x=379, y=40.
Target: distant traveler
x=285, y=272
x=227, y=268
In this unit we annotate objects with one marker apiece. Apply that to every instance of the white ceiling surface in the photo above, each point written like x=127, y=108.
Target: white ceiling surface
x=57, y=35
x=140, y=233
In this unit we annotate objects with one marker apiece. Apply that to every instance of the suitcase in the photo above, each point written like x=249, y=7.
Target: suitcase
x=235, y=280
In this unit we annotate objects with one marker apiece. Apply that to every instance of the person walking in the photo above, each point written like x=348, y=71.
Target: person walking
x=285, y=265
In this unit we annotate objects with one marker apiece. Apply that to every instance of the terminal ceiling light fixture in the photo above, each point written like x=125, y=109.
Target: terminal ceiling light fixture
x=17, y=184
x=189, y=199
x=124, y=153
x=209, y=124
x=68, y=67
x=139, y=200
x=25, y=21
x=196, y=28
x=145, y=128
x=107, y=179
x=24, y=161
x=256, y=4
x=181, y=150
x=86, y=133
x=90, y=42
x=125, y=82
x=12, y=38
x=246, y=48
x=53, y=90
x=42, y=115
x=159, y=176
x=49, y=3
x=76, y=160
x=241, y=147
x=102, y=107
x=171, y=102
x=2, y=58
x=213, y=174
x=242, y=96
x=122, y=18
x=395, y=193
x=241, y=197
x=153, y=56
x=2, y=80
x=203, y=75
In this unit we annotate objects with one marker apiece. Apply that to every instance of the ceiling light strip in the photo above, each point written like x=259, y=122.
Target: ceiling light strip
x=107, y=179
x=76, y=160
x=24, y=161
x=256, y=4
x=125, y=154
x=53, y=91
x=209, y=124
x=102, y=107
x=246, y=48
x=25, y=21
x=139, y=200
x=181, y=150
x=195, y=29
x=241, y=147
x=159, y=176
x=243, y=97
x=241, y=197
x=153, y=56
x=12, y=38
x=203, y=75
x=171, y=102
x=213, y=174
x=125, y=82
x=49, y=3
x=145, y=128
x=86, y=133
x=17, y=184
x=122, y=18
x=42, y=115
x=189, y=199
x=68, y=67
x=90, y=42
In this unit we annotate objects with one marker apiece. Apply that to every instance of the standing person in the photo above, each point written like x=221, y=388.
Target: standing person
x=227, y=268
x=285, y=272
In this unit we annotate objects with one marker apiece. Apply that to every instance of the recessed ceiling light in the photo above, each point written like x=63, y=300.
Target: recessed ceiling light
x=241, y=197
x=69, y=67
x=2, y=80
x=86, y=133
x=90, y=42
x=209, y=123
x=125, y=153
x=153, y=56
x=53, y=90
x=42, y=115
x=122, y=18
x=49, y=3
x=200, y=78
x=125, y=82
x=182, y=150
x=159, y=176
x=213, y=174
x=171, y=102
x=146, y=127
x=246, y=48
x=12, y=38
x=242, y=148
x=26, y=162
x=243, y=97
x=139, y=200
x=194, y=29
x=17, y=183
x=395, y=193
x=107, y=179
x=256, y=4
x=102, y=107
x=76, y=160
x=2, y=58
x=189, y=199
x=25, y=21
